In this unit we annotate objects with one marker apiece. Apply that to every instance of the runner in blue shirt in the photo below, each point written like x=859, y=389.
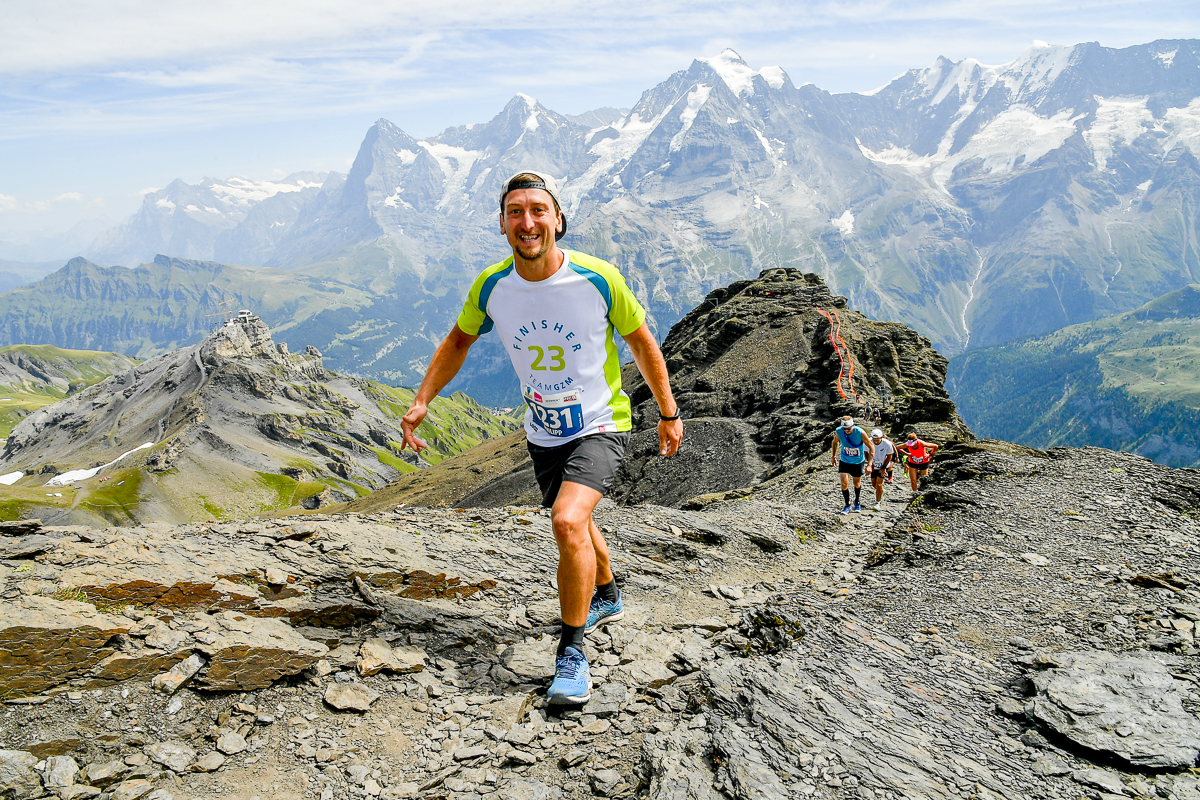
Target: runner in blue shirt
x=851, y=452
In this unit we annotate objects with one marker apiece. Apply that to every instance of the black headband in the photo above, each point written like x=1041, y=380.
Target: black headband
x=512, y=187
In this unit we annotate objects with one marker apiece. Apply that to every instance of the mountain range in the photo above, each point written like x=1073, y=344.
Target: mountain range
x=1126, y=382
x=976, y=203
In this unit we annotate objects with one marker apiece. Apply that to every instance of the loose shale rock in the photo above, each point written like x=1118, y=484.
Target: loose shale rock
x=1123, y=704
x=252, y=653
x=45, y=642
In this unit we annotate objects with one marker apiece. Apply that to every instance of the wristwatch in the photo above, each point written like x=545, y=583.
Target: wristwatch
x=665, y=418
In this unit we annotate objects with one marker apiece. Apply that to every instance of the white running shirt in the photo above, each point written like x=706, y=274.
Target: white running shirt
x=560, y=337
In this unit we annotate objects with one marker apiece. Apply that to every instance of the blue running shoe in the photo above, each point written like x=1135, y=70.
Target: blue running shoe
x=603, y=611
x=857, y=507
x=846, y=510
x=572, y=681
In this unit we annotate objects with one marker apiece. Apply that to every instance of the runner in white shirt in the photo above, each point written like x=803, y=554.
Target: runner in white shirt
x=885, y=453
x=557, y=311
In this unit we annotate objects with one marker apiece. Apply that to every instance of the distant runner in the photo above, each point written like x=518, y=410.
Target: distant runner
x=919, y=455
x=881, y=463
x=556, y=311
x=849, y=444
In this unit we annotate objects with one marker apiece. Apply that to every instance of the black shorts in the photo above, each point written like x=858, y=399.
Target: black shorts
x=853, y=470
x=591, y=460
x=878, y=472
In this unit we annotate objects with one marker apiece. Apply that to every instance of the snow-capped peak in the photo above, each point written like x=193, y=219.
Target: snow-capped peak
x=738, y=75
x=1036, y=68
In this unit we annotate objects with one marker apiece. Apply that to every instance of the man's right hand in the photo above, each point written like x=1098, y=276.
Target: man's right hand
x=409, y=424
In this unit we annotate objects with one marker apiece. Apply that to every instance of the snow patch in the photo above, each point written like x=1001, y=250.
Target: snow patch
x=1185, y=127
x=1145, y=185
x=844, y=223
x=1167, y=58
x=760, y=203
x=1036, y=69
x=738, y=75
x=1119, y=120
x=407, y=157
x=165, y=203
x=456, y=163
x=631, y=132
x=696, y=98
x=531, y=124
x=11, y=478
x=774, y=76
x=245, y=192
x=395, y=200
x=84, y=474
x=1016, y=137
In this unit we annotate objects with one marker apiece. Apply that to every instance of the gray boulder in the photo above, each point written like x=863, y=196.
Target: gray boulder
x=1124, y=705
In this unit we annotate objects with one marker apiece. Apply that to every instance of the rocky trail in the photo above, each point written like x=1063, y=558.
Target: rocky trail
x=1022, y=627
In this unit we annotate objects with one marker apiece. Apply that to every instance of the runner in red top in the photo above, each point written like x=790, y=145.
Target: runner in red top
x=919, y=455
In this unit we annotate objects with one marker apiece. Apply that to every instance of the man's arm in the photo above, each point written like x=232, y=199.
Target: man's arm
x=650, y=363
x=447, y=361
x=836, y=446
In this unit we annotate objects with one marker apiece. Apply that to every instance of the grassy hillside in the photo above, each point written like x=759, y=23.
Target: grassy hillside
x=36, y=375
x=1126, y=382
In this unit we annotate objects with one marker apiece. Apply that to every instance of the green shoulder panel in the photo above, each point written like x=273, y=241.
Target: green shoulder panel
x=624, y=310
x=474, y=319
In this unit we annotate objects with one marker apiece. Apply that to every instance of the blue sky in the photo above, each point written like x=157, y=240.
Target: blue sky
x=99, y=101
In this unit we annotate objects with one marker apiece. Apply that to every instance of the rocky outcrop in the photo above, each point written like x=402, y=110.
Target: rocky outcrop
x=1128, y=706
x=46, y=642
x=762, y=369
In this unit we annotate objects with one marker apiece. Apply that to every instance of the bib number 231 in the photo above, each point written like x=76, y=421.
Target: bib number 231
x=557, y=414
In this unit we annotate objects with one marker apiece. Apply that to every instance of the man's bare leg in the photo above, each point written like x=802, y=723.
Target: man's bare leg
x=578, y=562
x=603, y=565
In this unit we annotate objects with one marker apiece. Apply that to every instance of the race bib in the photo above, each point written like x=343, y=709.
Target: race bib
x=851, y=452
x=557, y=414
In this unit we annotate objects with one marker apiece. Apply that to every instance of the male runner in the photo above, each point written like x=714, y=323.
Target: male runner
x=849, y=442
x=920, y=454
x=881, y=463
x=555, y=311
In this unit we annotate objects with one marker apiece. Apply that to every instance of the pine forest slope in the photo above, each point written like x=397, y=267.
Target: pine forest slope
x=1126, y=382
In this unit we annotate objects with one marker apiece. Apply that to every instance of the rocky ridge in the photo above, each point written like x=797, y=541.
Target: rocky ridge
x=233, y=425
x=757, y=374
x=943, y=647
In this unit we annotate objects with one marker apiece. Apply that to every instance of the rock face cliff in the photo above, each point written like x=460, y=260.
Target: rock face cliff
x=762, y=370
x=233, y=425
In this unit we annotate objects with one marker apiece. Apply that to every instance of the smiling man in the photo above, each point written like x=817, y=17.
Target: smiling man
x=556, y=312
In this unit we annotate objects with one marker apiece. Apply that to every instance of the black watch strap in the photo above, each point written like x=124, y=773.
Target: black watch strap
x=664, y=418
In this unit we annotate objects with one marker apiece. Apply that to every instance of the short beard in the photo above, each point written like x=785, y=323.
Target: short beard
x=545, y=248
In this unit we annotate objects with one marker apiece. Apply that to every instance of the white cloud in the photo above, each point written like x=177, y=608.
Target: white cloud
x=9, y=203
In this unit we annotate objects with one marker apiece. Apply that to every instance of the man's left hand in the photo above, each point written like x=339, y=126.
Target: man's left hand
x=670, y=434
